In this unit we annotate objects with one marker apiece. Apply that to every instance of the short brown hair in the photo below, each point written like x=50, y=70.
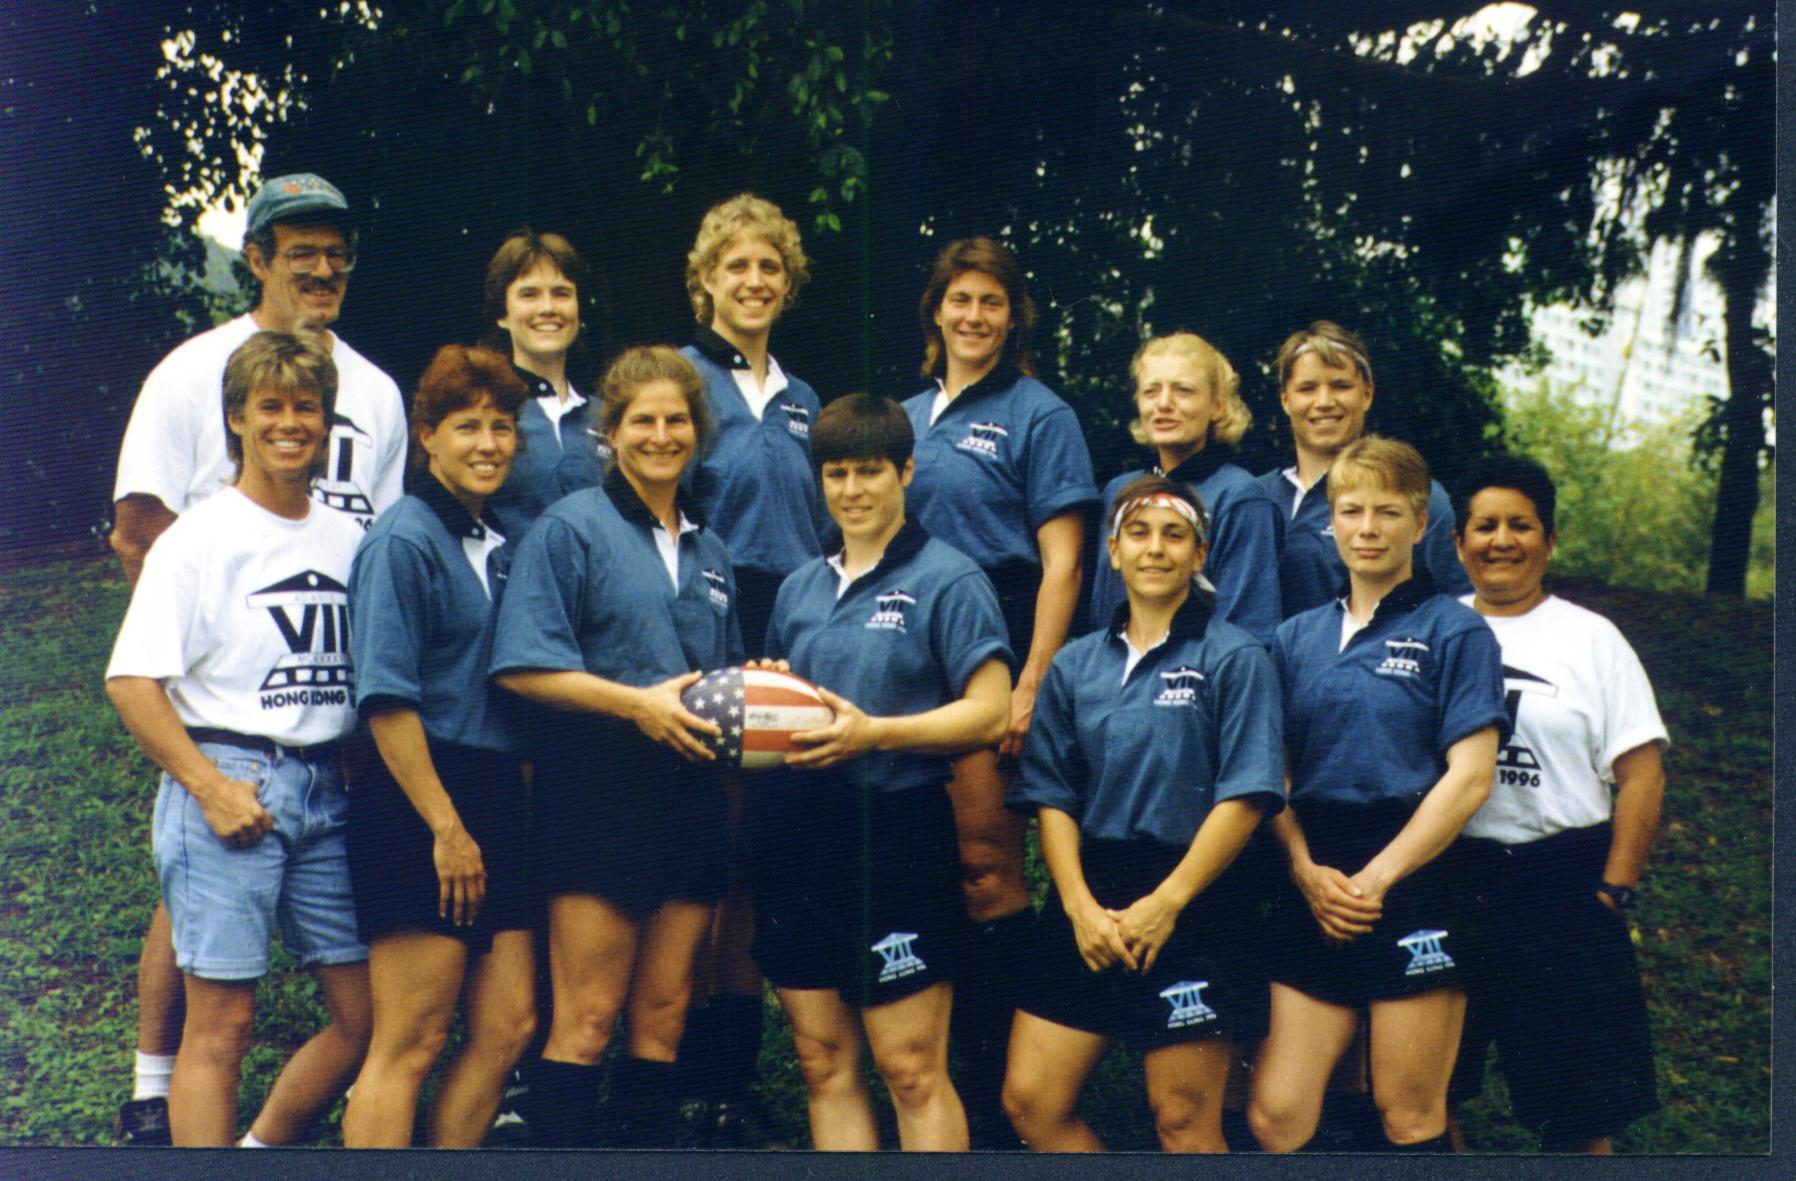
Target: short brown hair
x=520, y=251
x=1334, y=345
x=993, y=258
x=862, y=426
x=459, y=377
x=291, y=361
x=743, y=213
x=1390, y=464
x=1225, y=384
x=636, y=367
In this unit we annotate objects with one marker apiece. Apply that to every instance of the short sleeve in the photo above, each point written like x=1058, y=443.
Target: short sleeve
x=389, y=605
x=1059, y=477
x=1469, y=695
x=389, y=481
x=157, y=456
x=1052, y=771
x=1438, y=552
x=1250, y=730
x=156, y=638
x=1630, y=711
x=539, y=617
x=1243, y=565
x=966, y=629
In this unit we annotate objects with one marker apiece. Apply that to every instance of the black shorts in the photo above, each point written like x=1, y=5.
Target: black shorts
x=392, y=871
x=1208, y=981
x=626, y=819
x=1427, y=937
x=856, y=889
x=1018, y=584
x=1560, y=995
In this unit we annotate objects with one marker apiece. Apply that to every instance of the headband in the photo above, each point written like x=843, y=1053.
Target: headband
x=1364, y=366
x=1166, y=500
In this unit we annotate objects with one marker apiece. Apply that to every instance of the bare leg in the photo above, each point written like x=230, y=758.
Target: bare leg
x=662, y=985
x=1308, y=1036
x=500, y=1012
x=991, y=838
x=319, y=1071
x=161, y=993
x=1049, y=1064
x=202, y=1096
x=1414, y=1041
x=909, y=1038
x=1185, y=1084
x=414, y=978
x=826, y=1032
x=592, y=948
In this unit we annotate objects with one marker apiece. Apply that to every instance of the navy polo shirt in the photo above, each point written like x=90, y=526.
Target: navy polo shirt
x=1005, y=457
x=1196, y=722
x=755, y=484
x=1310, y=569
x=421, y=624
x=904, y=638
x=1247, y=531
x=589, y=592
x=1372, y=722
x=553, y=460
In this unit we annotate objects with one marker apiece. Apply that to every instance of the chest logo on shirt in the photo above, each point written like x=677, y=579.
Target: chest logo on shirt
x=1179, y=686
x=1516, y=764
x=890, y=610
x=1187, y=1001
x=312, y=612
x=798, y=419
x=1425, y=953
x=718, y=587
x=1402, y=658
x=983, y=438
x=337, y=488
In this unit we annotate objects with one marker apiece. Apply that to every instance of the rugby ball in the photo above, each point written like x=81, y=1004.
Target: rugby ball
x=758, y=711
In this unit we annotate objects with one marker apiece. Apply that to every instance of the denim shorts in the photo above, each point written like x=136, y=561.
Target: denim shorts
x=225, y=902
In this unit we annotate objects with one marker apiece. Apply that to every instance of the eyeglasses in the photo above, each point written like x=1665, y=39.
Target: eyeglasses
x=303, y=260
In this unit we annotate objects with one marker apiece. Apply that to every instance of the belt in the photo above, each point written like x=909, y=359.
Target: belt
x=318, y=752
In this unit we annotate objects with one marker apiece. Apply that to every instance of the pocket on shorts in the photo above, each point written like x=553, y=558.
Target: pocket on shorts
x=247, y=766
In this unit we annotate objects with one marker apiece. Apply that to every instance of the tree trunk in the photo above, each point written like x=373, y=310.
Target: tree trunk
x=1741, y=266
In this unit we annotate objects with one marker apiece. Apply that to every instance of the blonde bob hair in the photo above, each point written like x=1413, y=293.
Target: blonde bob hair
x=1225, y=384
x=743, y=213
x=1388, y=464
x=1335, y=346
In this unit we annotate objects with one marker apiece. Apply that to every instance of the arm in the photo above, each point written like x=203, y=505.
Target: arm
x=1461, y=791
x=973, y=720
x=657, y=710
x=137, y=521
x=1060, y=540
x=1148, y=922
x=230, y=806
x=461, y=874
x=1640, y=791
x=1094, y=928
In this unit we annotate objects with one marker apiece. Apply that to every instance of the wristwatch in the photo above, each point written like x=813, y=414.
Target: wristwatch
x=1622, y=896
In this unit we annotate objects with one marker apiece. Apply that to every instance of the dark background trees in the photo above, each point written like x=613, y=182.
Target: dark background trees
x=1234, y=168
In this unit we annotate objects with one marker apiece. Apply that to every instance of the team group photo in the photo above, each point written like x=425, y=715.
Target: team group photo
x=750, y=659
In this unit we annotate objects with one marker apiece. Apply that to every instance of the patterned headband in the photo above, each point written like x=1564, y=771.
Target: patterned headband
x=1166, y=500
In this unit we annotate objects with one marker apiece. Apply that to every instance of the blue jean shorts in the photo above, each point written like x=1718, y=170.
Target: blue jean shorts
x=225, y=903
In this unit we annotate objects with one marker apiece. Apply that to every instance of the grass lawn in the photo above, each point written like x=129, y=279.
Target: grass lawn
x=77, y=885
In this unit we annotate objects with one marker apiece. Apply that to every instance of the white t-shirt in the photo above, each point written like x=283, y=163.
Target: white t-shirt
x=1579, y=699
x=244, y=617
x=174, y=447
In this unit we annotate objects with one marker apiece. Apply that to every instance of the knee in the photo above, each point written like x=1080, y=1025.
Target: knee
x=414, y=1053
x=826, y=1063
x=1409, y=1116
x=1182, y=1126
x=583, y=1025
x=913, y=1076
x=1278, y=1126
x=506, y=1034
x=219, y=1037
x=659, y=1015
x=1026, y=1108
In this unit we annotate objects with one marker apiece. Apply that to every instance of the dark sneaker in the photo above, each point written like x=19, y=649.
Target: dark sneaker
x=739, y=1122
x=511, y=1129
x=142, y=1123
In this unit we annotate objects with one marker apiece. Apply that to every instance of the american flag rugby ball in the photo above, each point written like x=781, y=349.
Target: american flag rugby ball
x=758, y=711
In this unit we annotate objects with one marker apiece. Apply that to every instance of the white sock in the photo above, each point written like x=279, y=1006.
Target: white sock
x=152, y=1075
x=249, y=1141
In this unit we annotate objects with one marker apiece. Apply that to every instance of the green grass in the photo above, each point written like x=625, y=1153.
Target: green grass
x=77, y=886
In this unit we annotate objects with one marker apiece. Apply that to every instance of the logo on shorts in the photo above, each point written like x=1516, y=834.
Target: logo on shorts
x=983, y=437
x=798, y=419
x=337, y=488
x=889, y=609
x=718, y=587
x=316, y=669
x=1187, y=1003
x=1402, y=658
x=1425, y=954
x=900, y=960
x=1180, y=686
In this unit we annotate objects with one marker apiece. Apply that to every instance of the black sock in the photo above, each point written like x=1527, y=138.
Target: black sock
x=739, y=1017
x=701, y=1052
x=1350, y=1123
x=985, y=999
x=564, y=1103
x=1438, y=1143
x=643, y=1103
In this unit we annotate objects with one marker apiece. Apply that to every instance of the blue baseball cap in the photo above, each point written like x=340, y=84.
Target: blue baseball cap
x=294, y=195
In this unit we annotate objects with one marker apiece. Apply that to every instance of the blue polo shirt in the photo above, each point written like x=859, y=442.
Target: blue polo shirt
x=1247, y=531
x=421, y=624
x=1310, y=569
x=755, y=484
x=1372, y=722
x=904, y=638
x=1005, y=457
x=553, y=460
x=589, y=592
x=1196, y=722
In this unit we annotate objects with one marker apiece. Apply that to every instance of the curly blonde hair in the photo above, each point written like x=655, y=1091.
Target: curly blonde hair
x=1225, y=384
x=742, y=213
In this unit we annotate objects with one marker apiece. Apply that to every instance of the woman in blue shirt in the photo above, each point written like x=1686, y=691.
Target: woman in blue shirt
x=1156, y=749
x=1393, y=715
x=858, y=912
x=436, y=830
x=1003, y=475
x=619, y=596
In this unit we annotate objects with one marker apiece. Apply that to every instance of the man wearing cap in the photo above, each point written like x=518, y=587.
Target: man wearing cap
x=300, y=244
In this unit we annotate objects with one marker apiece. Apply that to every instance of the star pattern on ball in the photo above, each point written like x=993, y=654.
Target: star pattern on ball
x=720, y=698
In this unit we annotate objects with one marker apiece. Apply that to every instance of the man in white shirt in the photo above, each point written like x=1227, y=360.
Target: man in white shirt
x=300, y=244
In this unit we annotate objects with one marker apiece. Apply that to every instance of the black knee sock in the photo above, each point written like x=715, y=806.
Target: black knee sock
x=1349, y=1123
x=564, y=1103
x=739, y=1017
x=985, y=999
x=701, y=1052
x=643, y=1111
x=1438, y=1143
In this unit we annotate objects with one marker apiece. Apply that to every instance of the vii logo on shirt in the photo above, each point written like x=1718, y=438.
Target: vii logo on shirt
x=889, y=609
x=983, y=438
x=1403, y=658
x=798, y=419
x=718, y=587
x=312, y=612
x=337, y=488
x=1180, y=686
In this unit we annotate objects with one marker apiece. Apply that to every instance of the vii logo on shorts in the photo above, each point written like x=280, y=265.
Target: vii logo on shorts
x=1425, y=954
x=1188, y=1008
x=889, y=609
x=983, y=438
x=1180, y=686
x=316, y=669
x=1402, y=658
x=900, y=960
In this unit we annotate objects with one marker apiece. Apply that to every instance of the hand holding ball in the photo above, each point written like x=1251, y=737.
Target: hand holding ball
x=758, y=710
